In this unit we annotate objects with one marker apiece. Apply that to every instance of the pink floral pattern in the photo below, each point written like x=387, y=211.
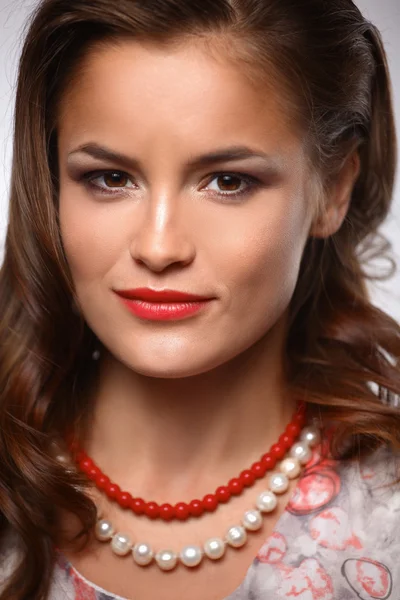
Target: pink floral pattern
x=274, y=549
x=331, y=529
x=338, y=539
x=368, y=578
x=308, y=581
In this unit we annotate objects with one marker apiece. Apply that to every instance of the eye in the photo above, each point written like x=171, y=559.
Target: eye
x=231, y=184
x=108, y=180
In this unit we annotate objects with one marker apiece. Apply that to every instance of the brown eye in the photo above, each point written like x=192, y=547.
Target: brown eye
x=115, y=179
x=229, y=186
x=229, y=183
x=109, y=182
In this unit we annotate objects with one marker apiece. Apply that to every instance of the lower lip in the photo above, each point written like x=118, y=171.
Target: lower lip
x=163, y=311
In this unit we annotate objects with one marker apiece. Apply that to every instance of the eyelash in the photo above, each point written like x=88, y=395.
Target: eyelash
x=251, y=181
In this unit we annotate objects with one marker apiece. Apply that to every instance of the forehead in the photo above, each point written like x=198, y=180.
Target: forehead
x=143, y=94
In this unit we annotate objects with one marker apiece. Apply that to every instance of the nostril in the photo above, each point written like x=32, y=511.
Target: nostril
x=157, y=257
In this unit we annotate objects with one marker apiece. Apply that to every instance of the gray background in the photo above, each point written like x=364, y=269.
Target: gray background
x=384, y=13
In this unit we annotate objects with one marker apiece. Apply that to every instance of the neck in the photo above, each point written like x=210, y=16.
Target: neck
x=162, y=437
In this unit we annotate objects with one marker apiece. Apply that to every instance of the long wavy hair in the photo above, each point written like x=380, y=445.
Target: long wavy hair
x=342, y=352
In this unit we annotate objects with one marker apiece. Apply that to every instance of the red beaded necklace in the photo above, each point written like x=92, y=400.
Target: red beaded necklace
x=209, y=503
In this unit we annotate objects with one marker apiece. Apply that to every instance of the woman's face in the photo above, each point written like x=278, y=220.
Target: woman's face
x=177, y=173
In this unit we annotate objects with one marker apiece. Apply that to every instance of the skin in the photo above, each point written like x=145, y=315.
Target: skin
x=194, y=401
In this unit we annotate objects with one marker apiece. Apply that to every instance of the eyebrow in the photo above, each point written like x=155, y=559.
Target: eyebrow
x=217, y=156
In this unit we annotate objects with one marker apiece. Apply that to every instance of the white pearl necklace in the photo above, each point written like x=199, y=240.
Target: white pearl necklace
x=236, y=536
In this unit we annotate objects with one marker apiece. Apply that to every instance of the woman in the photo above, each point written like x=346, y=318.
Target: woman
x=185, y=327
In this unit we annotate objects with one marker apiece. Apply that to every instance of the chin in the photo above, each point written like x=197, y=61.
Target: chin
x=175, y=357
x=169, y=369
x=171, y=363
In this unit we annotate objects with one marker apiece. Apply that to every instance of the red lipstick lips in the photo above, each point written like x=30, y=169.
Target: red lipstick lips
x=162, y=305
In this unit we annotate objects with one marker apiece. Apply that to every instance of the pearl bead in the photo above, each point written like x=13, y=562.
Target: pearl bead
x=279, y=483
x=311, y=436
x=191, y=556
x=142, y=554
x=104, y=530
x=166, y=559
x=214, y=548
x=121, y=544
x=63, y=458
x=290, y=467
x=266, y=501
x=236, y=536
x=302, y=452
x=252, y=520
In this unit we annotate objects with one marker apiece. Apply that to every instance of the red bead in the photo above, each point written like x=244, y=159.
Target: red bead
x=222, y=493
x=286, y=440
x=182, y=511
x=137, y=505
x=93, y=472
x=302, y=407
x=152, y=509
x=112, y=490
x=125, y=499
x=268, y=460
x=85, y=464
x=210, y=502
x=293, y=429
x=299, y=418
x=247, y=477
x=278, y=450
x=166, y=512
x=196, y=508
x=235, y=486
x=102, y=481
x=258, y=469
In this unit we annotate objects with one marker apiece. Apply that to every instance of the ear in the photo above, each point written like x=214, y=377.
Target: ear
x=337, y=203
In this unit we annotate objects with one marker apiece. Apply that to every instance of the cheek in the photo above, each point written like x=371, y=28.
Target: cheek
x=262, y=253
x=92, y=240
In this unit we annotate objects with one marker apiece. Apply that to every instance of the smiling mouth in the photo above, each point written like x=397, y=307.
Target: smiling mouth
x=162, y=305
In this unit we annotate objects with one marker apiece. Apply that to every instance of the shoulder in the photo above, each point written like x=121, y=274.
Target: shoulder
x=371, y=492
x=339, y=536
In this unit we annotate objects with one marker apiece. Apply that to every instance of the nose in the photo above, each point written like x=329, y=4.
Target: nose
x=160, y=239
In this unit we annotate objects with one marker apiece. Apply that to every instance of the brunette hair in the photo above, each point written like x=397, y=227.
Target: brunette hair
x=342, y=351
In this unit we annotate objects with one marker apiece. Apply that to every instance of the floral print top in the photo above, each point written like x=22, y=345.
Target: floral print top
x=339, y=538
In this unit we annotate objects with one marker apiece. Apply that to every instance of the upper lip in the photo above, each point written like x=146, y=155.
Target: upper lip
x=161, y=295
